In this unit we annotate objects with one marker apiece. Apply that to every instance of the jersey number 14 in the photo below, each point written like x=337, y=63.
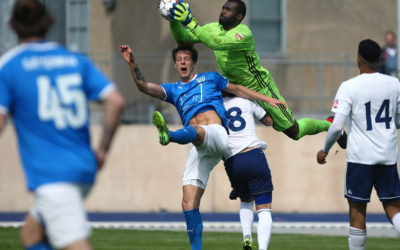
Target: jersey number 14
x=381, y=116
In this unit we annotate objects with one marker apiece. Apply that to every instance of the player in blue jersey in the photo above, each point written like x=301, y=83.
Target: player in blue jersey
x=46, y=89
x=198, y=100
x=371, y=101
x=247, y=168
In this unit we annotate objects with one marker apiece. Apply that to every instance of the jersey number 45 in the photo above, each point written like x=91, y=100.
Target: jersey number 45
x=64, y=103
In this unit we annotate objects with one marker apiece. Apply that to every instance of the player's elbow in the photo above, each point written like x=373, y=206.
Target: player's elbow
x=116, y=100
x=145, y=88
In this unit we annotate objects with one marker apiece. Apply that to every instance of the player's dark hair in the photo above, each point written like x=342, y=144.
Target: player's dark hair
x=30, y=18
x=186, y=46
x=369, y=52
x=241, y=7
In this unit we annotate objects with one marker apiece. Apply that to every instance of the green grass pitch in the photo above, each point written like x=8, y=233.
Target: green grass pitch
x=118, y=239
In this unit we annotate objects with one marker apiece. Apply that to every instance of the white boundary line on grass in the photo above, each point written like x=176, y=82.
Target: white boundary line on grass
x=317, y=228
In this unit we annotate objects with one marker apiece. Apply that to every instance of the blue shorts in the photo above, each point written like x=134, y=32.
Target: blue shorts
x=360, y=179
x=249, y=174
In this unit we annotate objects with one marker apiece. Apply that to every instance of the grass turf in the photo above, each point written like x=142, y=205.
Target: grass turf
x=118, y=239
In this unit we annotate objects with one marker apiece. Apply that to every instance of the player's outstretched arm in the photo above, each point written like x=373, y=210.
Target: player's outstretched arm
x=181, y=34
x=113, y=106
x=267, y=120
x=144, y=86
x=246, y=93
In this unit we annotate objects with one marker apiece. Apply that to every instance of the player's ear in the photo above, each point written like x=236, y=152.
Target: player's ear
x=239, y=17
x=358, y=60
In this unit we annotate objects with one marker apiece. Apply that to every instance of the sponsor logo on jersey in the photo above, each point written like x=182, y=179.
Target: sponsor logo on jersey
x=238, y=36
x=335, y=104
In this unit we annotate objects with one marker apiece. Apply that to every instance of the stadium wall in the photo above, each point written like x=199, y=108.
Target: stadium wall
x=320, y=50
x=140, y=175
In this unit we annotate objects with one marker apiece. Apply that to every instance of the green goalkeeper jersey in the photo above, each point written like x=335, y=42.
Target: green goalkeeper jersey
x=237, y=60
x=234, y=51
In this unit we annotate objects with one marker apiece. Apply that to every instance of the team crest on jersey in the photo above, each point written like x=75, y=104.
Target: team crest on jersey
x=238, y=36
x=335, y=104
x=201, y=79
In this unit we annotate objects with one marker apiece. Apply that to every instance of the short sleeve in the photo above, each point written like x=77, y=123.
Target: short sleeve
x=258, y=112
x=342, y=101
x=97, y=85
x=221, y=81
x=168, y=92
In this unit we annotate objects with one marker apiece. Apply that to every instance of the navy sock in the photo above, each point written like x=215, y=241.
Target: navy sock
x=184, y=135
x=44, y=245
x=194, y=226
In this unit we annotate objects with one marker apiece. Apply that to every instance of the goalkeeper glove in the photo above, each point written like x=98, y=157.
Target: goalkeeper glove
x=181, y=12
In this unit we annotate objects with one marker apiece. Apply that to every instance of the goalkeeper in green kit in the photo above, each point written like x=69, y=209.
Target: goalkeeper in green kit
x=234, y=49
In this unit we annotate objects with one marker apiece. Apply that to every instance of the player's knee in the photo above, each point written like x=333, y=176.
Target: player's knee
x=293, y=131
x=188, y=205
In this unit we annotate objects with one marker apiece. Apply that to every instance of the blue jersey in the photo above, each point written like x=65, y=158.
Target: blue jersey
x=199, y=95
x=46, y=89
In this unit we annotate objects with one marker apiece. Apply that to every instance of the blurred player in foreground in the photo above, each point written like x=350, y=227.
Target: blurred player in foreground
x=372, y=103
x=234, y=49
x=247, y=168
x=46, y=88
x=198, y=100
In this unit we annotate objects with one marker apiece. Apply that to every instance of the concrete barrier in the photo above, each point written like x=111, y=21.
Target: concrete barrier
x=142, y=175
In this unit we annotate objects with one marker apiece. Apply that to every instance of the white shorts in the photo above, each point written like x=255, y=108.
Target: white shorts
x=60, y=208
x=203, y=159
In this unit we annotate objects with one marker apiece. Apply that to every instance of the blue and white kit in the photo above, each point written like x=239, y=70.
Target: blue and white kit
x=199, y=95
x=53, y=125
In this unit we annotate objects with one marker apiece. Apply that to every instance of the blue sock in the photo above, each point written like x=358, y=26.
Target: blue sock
x=44, y=245
x=184, y=135
x=194, y=226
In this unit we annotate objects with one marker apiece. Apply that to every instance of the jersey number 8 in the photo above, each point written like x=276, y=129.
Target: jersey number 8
x=236, y=122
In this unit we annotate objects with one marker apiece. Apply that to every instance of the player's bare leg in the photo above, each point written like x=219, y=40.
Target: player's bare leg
x=357, y=213
x=32, y=232
x=357, y=231
x=392, y=210
x=191, y=197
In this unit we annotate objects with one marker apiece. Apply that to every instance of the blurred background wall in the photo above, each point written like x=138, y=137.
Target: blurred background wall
x=308, y=45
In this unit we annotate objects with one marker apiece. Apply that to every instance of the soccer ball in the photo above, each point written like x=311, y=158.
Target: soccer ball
x=165, y=6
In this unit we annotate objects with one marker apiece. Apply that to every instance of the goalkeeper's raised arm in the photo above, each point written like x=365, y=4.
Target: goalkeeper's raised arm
x=217, y=35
